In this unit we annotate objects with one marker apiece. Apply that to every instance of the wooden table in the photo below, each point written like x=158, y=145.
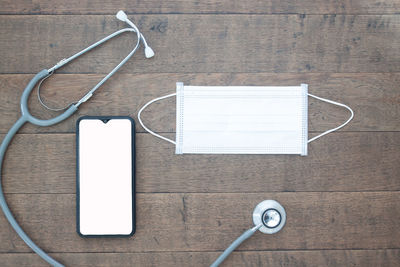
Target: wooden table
x=342, y=200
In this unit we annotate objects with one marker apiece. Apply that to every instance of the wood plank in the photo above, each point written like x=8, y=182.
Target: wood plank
x=192, y=6
x=207, y=222
x=329, y=258
x=374, y=97
x=206, y=43
x=339, y=162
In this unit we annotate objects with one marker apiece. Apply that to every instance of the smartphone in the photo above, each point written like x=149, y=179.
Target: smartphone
x=105, y=176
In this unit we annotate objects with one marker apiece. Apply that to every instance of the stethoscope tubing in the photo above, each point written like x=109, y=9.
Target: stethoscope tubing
x=27, y=117
x=3, y=204
x=248, y=233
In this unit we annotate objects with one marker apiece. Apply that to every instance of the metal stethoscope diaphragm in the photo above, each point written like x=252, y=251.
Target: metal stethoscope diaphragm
x=269, y=217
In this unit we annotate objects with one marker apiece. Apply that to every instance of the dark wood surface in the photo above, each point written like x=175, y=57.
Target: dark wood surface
x=207, y=43
x=342, y=200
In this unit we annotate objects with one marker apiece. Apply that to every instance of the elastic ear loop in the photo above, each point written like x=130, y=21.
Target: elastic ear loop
x=147, y=129
x=337, y=128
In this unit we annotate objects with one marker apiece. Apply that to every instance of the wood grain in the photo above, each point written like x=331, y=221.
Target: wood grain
x=374, y=97
x=329, y=258
x=206, y=43
x=341, y=200
x=339, y=162
x=192, y=6
x=209, y=222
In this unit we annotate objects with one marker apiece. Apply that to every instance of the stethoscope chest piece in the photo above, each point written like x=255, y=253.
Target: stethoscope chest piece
x=271, y=215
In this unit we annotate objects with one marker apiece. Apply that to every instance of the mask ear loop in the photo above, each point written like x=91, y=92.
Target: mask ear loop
x=337, y=128
x=147, y=129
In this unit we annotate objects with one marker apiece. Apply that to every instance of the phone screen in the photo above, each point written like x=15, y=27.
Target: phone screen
x=105, y=176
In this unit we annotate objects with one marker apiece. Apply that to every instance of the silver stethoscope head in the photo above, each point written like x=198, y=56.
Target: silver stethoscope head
x=270, y=216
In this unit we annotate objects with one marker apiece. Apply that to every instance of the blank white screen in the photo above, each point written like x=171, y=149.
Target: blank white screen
x=105, y=177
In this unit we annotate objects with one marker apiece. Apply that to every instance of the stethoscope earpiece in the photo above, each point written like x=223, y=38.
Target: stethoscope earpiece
x=270, y=215
x=148, y=52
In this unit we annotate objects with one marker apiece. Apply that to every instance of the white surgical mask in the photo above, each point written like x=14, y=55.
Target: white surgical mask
x=242, y=119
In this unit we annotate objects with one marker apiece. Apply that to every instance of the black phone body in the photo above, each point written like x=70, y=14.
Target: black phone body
x=105, y=176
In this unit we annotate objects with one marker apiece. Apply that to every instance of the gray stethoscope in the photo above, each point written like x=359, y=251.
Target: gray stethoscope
x=269, y=217
x=69, y=110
